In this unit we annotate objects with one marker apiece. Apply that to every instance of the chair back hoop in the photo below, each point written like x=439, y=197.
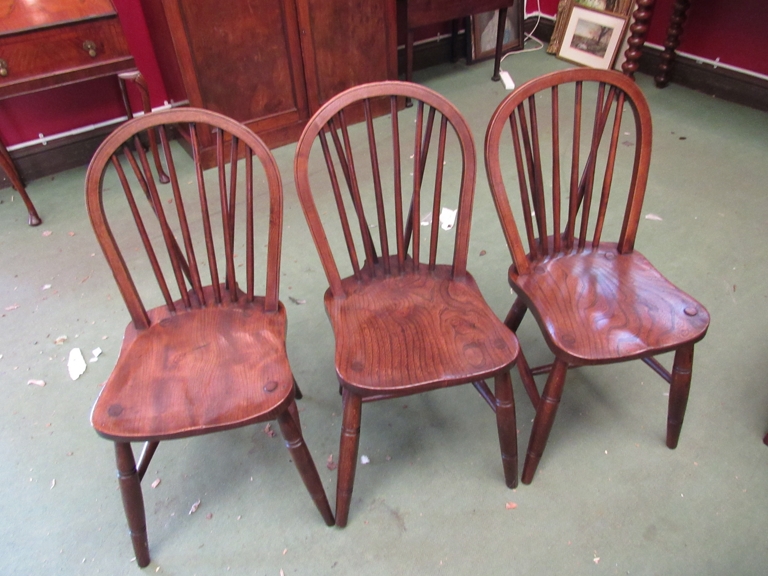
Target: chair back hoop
x=172, y=245
x=574, y=166
x=353, y=162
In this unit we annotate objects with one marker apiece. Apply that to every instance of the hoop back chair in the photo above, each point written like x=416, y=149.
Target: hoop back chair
x=570, y=141
x=203, y=351
x=403, y=322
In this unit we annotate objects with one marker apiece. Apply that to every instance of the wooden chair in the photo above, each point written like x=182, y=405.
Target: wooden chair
x=202, y=352
x=403, y=323
x=564, y=136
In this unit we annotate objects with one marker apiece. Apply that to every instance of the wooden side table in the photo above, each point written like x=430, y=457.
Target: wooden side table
x=48, y=44
x=426, y=12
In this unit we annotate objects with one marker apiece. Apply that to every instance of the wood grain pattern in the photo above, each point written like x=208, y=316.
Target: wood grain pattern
x=416, y=332
x=20, y=15
x=600, y=306
x=212, y=356
x=572, y=142
x=404, y=321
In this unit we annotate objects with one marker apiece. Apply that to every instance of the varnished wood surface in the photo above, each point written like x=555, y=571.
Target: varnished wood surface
x=271, y=63
x=213, y=356
x=22, y=15
x=600, y=306
x=404, y=321
x=575, y=141
x=42, y=59
x=416, y=332
x=195, y=373
x=346, y=43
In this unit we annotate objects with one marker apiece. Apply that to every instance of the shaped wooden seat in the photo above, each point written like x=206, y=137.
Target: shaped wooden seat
x=203, y=352
x=403, y=323
x=570, y=141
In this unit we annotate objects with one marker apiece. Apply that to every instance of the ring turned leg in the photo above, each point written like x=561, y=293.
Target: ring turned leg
x=545, y=417
x=350, y=441
x=679, y=15
x=133, y=501
x=678, y=393
x=294, y=441
x=638, y=30
x=507, y=426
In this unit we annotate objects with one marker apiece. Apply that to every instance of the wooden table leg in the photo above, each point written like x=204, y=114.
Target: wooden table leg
x=6, y=163
x=141, y=84
x=679, y=15
x=641, y=19
x=499, y=44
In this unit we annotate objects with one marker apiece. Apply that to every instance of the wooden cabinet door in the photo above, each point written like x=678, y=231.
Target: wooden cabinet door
x=345, y=43
x=241, y=58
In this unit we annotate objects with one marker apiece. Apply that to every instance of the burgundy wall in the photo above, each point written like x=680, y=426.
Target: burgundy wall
x=732, y=31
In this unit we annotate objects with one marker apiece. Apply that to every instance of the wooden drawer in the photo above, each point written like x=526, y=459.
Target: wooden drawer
x=42, y=58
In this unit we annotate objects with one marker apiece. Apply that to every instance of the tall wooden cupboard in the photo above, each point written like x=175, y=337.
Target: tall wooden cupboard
x=272, y=63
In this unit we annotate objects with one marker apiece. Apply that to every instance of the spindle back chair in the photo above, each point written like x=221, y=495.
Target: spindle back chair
x=404, y=321
x=559, y=149
x=204, y=351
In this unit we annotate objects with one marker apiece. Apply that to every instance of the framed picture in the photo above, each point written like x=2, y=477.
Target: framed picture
x=620, y=7
x=484, y=28
x=592, y=38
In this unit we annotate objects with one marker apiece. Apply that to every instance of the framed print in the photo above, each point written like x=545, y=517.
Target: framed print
x=484, y=28
x=592, y=38
x=620, y=7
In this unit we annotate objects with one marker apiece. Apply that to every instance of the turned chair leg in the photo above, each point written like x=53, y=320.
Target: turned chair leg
x=507, y=426
x=294, y=441
x=678, y=393
x=350, y=441
x=133, y=501
x=545, y=417
x=515, y=315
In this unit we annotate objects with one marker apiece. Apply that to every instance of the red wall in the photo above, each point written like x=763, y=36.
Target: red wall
x=732, y=31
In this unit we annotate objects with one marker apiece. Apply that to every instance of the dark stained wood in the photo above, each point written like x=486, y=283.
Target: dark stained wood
x=204, y=351
x=638, y=30
x=570, y=142
x=676, y=22
x=404, y=322
x=271, y=63
x=346, y=43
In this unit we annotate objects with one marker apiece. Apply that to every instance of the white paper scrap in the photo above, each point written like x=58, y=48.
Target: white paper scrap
x=96, y=353
x=447, y=218
x=76, y=364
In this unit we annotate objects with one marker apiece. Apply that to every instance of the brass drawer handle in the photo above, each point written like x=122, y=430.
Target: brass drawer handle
x=90, y=47
x=3, y=68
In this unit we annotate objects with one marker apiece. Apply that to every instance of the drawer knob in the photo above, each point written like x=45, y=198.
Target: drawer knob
x=3, y=68
x=90, y=47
